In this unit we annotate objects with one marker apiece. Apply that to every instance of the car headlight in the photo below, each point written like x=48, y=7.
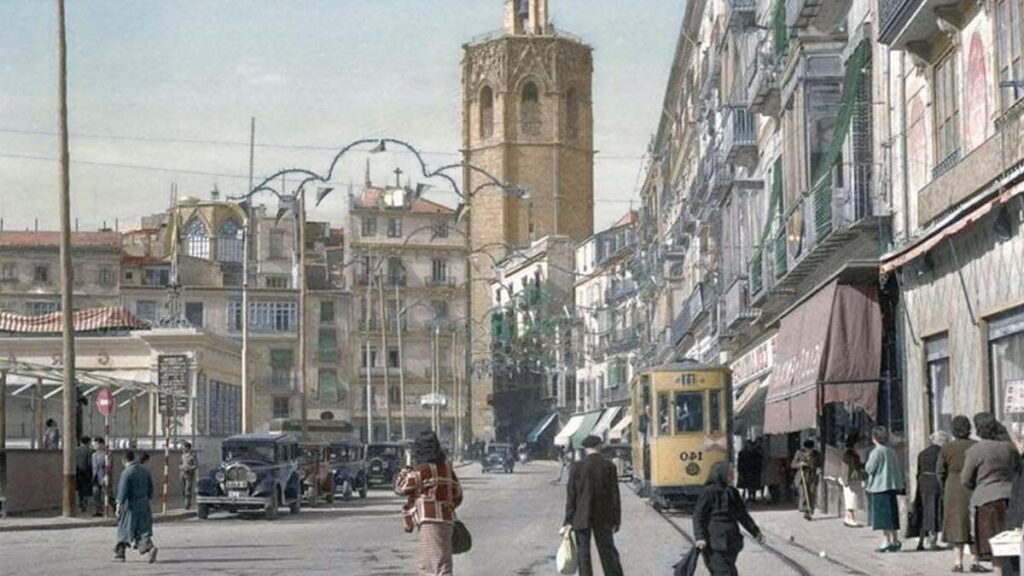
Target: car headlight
x=219, y=476
x=251, y=477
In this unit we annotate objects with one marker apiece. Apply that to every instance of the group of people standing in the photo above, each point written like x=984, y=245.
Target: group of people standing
x=91, y=474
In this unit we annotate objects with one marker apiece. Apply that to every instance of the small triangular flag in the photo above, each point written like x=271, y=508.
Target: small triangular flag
x=280, y=214
x=321, y=194
x=460, y=212
x=421, y=187
x=380, y=147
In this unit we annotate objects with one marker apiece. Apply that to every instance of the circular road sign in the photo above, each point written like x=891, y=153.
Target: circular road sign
x=105, y=402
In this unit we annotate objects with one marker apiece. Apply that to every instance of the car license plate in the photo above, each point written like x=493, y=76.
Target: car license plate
x=236, y=494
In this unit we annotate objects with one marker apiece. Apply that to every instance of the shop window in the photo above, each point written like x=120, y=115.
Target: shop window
x=1006, y=353
x=939, y=390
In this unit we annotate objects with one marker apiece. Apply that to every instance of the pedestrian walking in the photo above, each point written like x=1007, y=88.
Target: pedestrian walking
x=806, y=463
x=1015, y=514
x=853, y=482
x=749, y=464
x=593, y=510
x=990, y=467
x=956, y=514
x=187, y=473
x=51, y=436
x=134, y=516
x=717, y=519
x=885, y=482
x=99, y=475
x=434, y=493
x=83, y=472
x=929, y=492
x=563, y=463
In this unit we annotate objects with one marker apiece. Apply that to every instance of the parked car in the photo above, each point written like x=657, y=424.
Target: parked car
x=317, y=473
x=349, y=468
x=258, y=472
x=384, y=460
x=498, y=456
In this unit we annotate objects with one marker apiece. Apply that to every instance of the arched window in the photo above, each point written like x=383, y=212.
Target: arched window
x=229, y=242
x=197, y=239
x=486, y=112
x=572, y=114
x=529, y=110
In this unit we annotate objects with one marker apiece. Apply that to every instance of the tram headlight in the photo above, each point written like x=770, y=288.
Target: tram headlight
x=693, y=469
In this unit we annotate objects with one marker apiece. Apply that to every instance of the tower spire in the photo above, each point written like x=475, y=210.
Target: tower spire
x=526, y=17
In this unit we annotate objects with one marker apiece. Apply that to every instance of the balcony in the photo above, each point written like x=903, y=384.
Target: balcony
x=739, y=142
x=802, y=13
x=763, y=82
x=737, y=308
x=688, y=314
x=619, y=291
x=440, y=281
x=742, y=14
x=622, y=342
x=911, y=24
x=281, y=383
x=722, y=176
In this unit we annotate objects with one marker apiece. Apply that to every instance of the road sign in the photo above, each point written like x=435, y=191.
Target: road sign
x=173, y=376
x=105, y=402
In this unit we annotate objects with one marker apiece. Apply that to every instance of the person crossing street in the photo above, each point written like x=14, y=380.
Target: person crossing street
x=134, y=516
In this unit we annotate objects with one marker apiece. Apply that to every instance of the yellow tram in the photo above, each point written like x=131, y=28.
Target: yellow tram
x=682, y=426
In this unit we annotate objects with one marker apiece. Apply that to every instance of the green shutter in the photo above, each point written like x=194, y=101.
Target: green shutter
x=781, y=32
x=282, y=358
x=328, y=382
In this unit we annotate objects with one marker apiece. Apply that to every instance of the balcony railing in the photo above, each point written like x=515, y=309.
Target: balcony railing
x=282, y=383
x=440, y=281
x=742, y=14
x=737, y=304
x=619, y=291
x=739, y=141
x=722, y=175
x=894, y=16
x=623, y=342
x=763, y=81
x=688, y=314
x=948, y=162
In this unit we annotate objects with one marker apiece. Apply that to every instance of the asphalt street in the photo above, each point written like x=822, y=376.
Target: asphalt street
x=514, y=520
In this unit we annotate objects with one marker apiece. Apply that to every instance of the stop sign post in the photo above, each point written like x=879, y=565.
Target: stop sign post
x=105, y=404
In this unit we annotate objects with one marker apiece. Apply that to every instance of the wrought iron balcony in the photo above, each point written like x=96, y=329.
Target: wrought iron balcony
x=912, y=24
x=619, y=290
x=282, y=383
x=742, y=14
x=739, y=142
x=764, y=87
x=722, y=175
x=736, y=301
x=688, y=314
x=622, y=341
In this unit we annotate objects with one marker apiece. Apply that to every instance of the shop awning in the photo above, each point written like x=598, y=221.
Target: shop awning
x=605, y=423
x=570, y=428
x=828, y=350
x=586, y=428
x=620, y=431
x=88, y=320
x=749, y=406
x=541, y=426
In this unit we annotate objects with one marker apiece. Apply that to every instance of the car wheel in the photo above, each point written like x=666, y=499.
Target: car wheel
x=270, y=511
x=203, y=511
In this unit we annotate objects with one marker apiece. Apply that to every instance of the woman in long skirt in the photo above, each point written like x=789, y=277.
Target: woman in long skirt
x=885, y=481
x=929, y=490
x=956, y=514
x=990, y=467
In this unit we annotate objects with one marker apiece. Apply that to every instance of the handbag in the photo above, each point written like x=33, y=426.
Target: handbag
x=462, y=540
x=688, y=565
x=565, y=560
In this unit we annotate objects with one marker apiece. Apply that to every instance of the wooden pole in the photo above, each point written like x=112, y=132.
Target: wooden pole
x=369, y=367
x=3, y=435
x=384, y=352
x=67, y=305
x=401, y=364
x=301, y=199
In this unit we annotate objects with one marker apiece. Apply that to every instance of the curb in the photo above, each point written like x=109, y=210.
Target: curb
x=104, y=523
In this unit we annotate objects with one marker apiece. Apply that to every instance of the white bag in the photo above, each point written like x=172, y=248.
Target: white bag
x=566, y=558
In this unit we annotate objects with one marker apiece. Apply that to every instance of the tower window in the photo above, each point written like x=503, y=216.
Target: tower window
x=530, y=117
x=572, y=114
x=197, y=239
x=486, y=112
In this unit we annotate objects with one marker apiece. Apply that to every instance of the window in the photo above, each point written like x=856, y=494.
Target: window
x=8, y=272
x=38, y=308
x=282, y=363
x=572, y=113
x=689, y=412
x=225, y=408
x=369, y=228
x=1006, y=353
x=486, y=112
x=194, y=313
x=146, y=311
x=41, y=274
x=264, y=316
x=328, y=385
x=939, y=390
x=368, y=315
x=1008, y=35
x=156, y=276
x=230, y=242
x=394, y=227
x=396, y=271
x=105, y=276
x=394, y=310
x=393, y=360
x=664, y=420
x=328, y=351
x=372, y=358
x=529, y=110
x=395, y=395
x=440, y=309
x=947, y=114
x=279, y=281
x=440, y=229
x=715, y=410
x=278, y=243
x=327, y=311
x=439, y=271
x=197, y=239
x=281, y=408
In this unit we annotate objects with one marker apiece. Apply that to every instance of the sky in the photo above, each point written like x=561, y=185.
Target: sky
x=161, y=93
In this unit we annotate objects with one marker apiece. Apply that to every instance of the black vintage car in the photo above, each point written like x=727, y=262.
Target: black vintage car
x=349, y=469
x=258, y=472
x=498, y=456
x=384, y=460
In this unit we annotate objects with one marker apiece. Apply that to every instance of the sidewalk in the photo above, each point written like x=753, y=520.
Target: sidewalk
x=849, y=548
x=25, y=523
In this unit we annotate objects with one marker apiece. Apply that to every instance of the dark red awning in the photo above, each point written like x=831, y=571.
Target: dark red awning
x=88, y=320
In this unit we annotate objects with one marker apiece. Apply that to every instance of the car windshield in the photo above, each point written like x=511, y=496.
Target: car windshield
x=381, y=451
x=343, y=453
x=500, y=449
x=261, y=452
x=311, y=454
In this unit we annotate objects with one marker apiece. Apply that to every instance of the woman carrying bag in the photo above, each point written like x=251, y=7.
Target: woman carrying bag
x=716, y=521
x=434, y=493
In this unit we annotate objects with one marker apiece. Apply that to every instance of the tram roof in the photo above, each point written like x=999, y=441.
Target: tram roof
x=686, y=365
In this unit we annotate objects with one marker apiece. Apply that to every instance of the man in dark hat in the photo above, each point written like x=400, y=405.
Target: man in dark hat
x=592, y=507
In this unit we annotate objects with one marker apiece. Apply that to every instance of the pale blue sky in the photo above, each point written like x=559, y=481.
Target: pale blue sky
x=167, y=78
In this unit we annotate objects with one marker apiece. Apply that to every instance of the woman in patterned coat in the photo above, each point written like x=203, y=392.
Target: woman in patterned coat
x=434, y=493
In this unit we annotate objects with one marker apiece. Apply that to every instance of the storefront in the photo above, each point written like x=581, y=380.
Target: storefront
x=1006, y=354
x=750, y=373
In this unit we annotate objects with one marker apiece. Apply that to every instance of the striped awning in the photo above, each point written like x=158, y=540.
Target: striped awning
x=88, y=320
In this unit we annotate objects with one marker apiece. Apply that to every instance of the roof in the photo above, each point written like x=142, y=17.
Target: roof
x=262, y=437
x=370, y=198
x=51, y=239
x=628, y=219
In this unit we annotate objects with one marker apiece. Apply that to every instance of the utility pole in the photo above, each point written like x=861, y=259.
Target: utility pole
x=455, y=387
x=386, y=355
x=67, y=323
x=369, y=377
x=401, y=363
x=301, y=213
x=246, y=248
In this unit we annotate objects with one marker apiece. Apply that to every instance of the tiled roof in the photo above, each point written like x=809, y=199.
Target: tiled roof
x=48, y=239
x=628, y=219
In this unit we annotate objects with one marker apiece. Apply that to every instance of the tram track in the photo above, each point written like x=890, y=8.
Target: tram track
x=792, y=563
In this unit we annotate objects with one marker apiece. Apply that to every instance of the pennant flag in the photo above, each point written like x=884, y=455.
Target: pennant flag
x=380, y=147
x=420, y=189
x=280, y=214
x=244, y=207
x=460, y=212
x=322, y=193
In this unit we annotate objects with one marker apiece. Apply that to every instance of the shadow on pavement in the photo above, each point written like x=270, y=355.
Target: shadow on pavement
x=245, y=560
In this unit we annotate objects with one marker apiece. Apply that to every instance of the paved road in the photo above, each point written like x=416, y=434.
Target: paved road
x=514, y=520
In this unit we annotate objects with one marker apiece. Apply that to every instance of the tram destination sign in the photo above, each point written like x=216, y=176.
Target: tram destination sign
x=173, y=376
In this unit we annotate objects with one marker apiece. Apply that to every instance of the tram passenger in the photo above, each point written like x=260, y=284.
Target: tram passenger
x=716, y=521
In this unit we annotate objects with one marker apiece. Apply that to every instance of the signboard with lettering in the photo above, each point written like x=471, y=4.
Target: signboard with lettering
x=173, y=377
x=1014, y=390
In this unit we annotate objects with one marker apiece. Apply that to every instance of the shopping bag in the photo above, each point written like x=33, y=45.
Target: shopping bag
x=688, y=565
x=565, y=560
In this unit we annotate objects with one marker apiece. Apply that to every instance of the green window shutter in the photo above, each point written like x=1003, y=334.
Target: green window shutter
x=781, y=32
x=282, y=358
x=328, y=383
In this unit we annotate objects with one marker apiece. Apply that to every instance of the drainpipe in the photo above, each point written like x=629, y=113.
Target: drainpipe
x=904, y=163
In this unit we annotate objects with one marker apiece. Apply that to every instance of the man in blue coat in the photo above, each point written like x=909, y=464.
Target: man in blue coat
x=134, y=517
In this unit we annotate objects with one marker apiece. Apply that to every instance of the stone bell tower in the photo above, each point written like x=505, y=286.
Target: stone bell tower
x=527, y=120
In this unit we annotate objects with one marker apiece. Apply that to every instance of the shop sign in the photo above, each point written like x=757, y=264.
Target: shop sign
x=757, y=362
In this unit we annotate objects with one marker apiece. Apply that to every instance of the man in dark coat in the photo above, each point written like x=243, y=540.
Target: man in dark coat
x=716, y=519
x=1015, y=515
x=134, y=517
x=83, y=472
x=592, y=507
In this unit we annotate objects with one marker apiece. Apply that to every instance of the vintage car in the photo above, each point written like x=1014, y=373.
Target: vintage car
x=498, y=456
x=384, y=460
x=317, y=472
x=258, y=472
x=349, y=469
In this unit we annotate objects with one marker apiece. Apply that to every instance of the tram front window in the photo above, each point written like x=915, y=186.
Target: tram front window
x=689, y=407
